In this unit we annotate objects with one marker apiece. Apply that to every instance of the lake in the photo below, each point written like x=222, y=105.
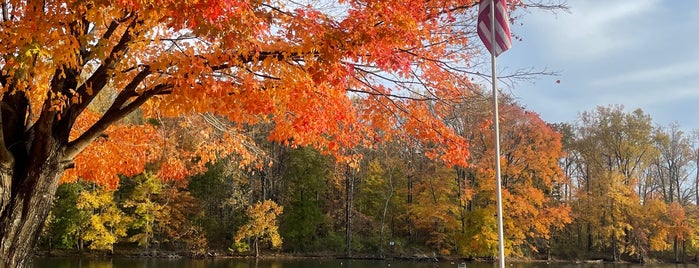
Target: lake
x=313, y=263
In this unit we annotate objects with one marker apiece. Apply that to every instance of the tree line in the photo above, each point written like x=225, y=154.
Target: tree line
x=397, y=199
x=611, y=185
x=633, y=186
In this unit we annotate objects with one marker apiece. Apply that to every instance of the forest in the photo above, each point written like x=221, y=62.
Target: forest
x=610, y=186
x=343, y=128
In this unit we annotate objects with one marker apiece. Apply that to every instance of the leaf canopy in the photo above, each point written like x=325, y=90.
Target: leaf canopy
x=333, y=75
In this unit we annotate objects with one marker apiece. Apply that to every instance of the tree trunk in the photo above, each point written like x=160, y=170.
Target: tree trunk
x=615, y=256
x=27, y=190
x=589, y=237
x=383, y=216
x=674, y=250
x=461, y=182
x=257, y=248
x=349, y=188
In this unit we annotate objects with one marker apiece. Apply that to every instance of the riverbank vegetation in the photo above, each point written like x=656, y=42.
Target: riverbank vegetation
x=610, y=186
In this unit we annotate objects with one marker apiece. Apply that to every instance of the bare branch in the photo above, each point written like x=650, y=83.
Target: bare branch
x=547, y=5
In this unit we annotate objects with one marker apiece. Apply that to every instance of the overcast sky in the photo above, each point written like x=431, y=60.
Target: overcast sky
x=638, y=53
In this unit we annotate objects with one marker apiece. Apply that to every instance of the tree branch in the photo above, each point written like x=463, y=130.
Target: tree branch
x=129, y=90
x=5, y=12
x=78, y=145
x=98, y=80
x=86, y=54
x=261, y=56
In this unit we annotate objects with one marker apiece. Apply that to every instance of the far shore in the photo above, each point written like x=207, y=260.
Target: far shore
x=321, y=255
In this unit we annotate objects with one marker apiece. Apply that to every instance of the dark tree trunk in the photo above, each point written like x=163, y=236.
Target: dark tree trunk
x=674, y=250
x=461, y=182
x=32, y=160
x=35, y=149
x=27, y=195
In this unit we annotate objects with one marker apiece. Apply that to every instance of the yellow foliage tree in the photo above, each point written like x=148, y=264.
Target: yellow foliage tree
x=435, y=208
x=262, y=225
x=107, y=223
x=650, y=229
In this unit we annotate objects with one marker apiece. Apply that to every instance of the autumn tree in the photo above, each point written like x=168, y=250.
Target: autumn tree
x=107, y=222
x=145, y=210
x=250, y=62
x=161, y=213
x=531, y=150
x=262, y=225
x=532, y=179
x=381, y=195
x=679, y=230
x=613, y=150
x=434, y=211
x=177, y=229
x=650, y=229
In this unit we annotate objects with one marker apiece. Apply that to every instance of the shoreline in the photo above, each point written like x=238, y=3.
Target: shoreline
x=270, y=255
x=310, y=256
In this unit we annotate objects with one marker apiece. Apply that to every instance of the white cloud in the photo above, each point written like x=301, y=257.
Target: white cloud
x=657, y=75
x=664, y=94
x=638, y=53
x=593, y=29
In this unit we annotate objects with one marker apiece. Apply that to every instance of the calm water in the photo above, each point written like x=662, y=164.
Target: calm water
x=234, y=263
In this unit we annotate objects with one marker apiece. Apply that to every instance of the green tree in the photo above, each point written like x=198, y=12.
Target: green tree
x=305, y=173
x=163, y=214
x=378, y=196
x=145, y=210
x=67, y=221
x=223, y=192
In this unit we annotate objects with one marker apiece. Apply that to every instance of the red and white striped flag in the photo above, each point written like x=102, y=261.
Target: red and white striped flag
x=503, y=41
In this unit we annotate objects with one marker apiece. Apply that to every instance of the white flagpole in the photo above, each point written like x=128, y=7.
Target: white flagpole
x=498, y=180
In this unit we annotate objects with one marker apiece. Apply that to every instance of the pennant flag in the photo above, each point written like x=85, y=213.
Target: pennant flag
x=502, y=41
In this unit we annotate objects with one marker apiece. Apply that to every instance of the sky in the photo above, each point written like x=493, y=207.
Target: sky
x=637, y=53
